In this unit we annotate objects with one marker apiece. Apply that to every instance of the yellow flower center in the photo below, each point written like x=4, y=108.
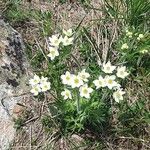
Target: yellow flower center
x=121, y=72
x=108, y=68
x=56, y=41
x=67, y=94
x=83, y=76
x=45, y=86
x=76, y=81
x=67, y=40
x=118, y=95
x=67, y=78
x=110, y=81
x=53, y=53
x=35, y=81
x=36, y=89
x=85, y=91
x=100, y=82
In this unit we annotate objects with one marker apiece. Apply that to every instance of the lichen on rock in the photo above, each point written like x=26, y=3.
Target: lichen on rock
x=13, y=77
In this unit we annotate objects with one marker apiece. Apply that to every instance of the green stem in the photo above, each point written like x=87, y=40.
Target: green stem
x=78, y=100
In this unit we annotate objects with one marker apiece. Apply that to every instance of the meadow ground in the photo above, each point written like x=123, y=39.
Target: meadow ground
x=103, y=31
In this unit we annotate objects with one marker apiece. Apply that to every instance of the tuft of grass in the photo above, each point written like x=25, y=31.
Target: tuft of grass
x=19, y=123
x=133, y=12
x=14, y=12
x=134, y=119
x=44, y=19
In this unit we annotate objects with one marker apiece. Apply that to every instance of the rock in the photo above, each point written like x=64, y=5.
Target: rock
x=13, y=78
x=18, y=111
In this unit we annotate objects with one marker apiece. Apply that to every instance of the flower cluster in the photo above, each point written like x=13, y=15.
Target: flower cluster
x=141, y=36
x=110, y=82
x=124, y=46
x=76, y=81
x=39, y=85
x=144, y=51
x=80, y=82
x=129, y=34
x=55, y=41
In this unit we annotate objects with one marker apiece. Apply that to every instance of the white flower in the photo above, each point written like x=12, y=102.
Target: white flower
x=85, y=91
x=55, y=40
x=110, y=81
x=51, y=48
x=126, y=30
x=61, y=38
x=43, y=79
x=144, y=51
x=67, y=41
x=39, y=85
x=68, y=32
x=138, y=38
x=66, y=78
x=124, y=46
x=45, y=86
x=108, y=68
x=67, y=94
x=35, y=80
x=121, y=72
x=141, y=36
x=129, y=34
x=100, y=82
x=53, y=52
x=76, y=81
x=117, y=95
x=35, y=90
x=84, y=75
x=118, y=86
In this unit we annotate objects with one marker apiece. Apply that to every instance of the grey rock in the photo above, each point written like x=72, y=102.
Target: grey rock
x=14, y=70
